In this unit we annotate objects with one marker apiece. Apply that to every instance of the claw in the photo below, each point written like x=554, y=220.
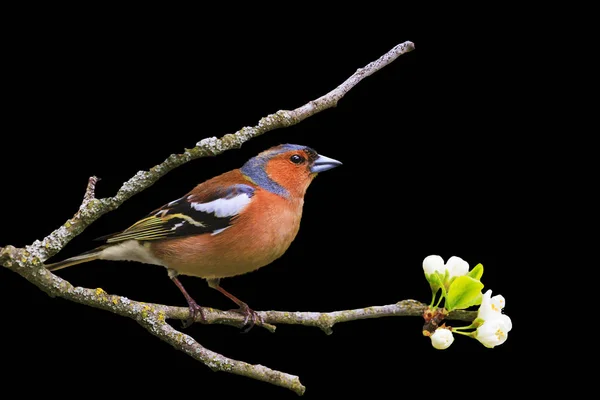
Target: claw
x=251, y=317
x=195, y=310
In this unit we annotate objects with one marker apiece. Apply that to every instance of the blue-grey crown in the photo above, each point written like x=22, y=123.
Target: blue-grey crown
x=254, y=168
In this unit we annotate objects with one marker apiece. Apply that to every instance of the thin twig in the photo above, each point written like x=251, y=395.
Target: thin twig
x=28, y=262
x=90, y=191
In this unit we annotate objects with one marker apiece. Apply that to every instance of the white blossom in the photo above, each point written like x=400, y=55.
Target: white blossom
x=495, y=327
x=432, y=264
x=491, y=307
x=494, y=331
x=456, y=266
x=442, y=338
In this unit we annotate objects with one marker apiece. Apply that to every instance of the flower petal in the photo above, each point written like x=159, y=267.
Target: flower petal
x=457, y=266
x=442, y=338
x=506, y=321
x=432, y=264
x=498, y=302
x=486, y=310
x=493, y=332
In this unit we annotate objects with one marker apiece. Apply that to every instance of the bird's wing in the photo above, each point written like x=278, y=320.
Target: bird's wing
x=208, y=212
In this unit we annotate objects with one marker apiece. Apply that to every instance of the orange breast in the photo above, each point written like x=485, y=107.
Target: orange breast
x=257, y=237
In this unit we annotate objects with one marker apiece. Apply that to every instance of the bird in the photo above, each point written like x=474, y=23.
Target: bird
x=226, y=226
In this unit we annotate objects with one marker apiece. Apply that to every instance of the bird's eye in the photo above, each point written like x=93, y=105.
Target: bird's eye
x=296, y=159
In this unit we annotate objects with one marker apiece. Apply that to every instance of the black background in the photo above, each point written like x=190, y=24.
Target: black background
x=429, y=168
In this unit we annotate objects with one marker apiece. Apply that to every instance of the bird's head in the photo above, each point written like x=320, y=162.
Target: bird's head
x=287, y=169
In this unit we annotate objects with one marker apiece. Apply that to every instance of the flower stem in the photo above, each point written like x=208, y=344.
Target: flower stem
x=443, y=295
x=464, y=327
x=470, y=334
x=433, y=297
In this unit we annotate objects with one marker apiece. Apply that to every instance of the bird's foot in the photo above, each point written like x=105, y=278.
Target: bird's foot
x=251, y=317
x=195, y=311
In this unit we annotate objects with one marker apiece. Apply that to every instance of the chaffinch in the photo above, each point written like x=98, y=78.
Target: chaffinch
x=229, y=225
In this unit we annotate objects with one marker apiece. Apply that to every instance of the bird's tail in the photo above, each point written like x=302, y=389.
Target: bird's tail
x=80, y=259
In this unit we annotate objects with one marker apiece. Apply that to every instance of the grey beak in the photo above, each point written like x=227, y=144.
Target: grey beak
x=323, y=163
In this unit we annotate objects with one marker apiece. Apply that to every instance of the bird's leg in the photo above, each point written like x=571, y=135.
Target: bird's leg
x=250, y=315
x=195, y=309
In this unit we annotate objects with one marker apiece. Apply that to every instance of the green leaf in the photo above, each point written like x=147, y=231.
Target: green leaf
x=463, y=292
x=476, y=272
x=478, y=299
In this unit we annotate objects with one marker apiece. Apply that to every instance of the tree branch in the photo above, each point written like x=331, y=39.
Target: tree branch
x=28, y=262
x=325, y=321
x=213, y=146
